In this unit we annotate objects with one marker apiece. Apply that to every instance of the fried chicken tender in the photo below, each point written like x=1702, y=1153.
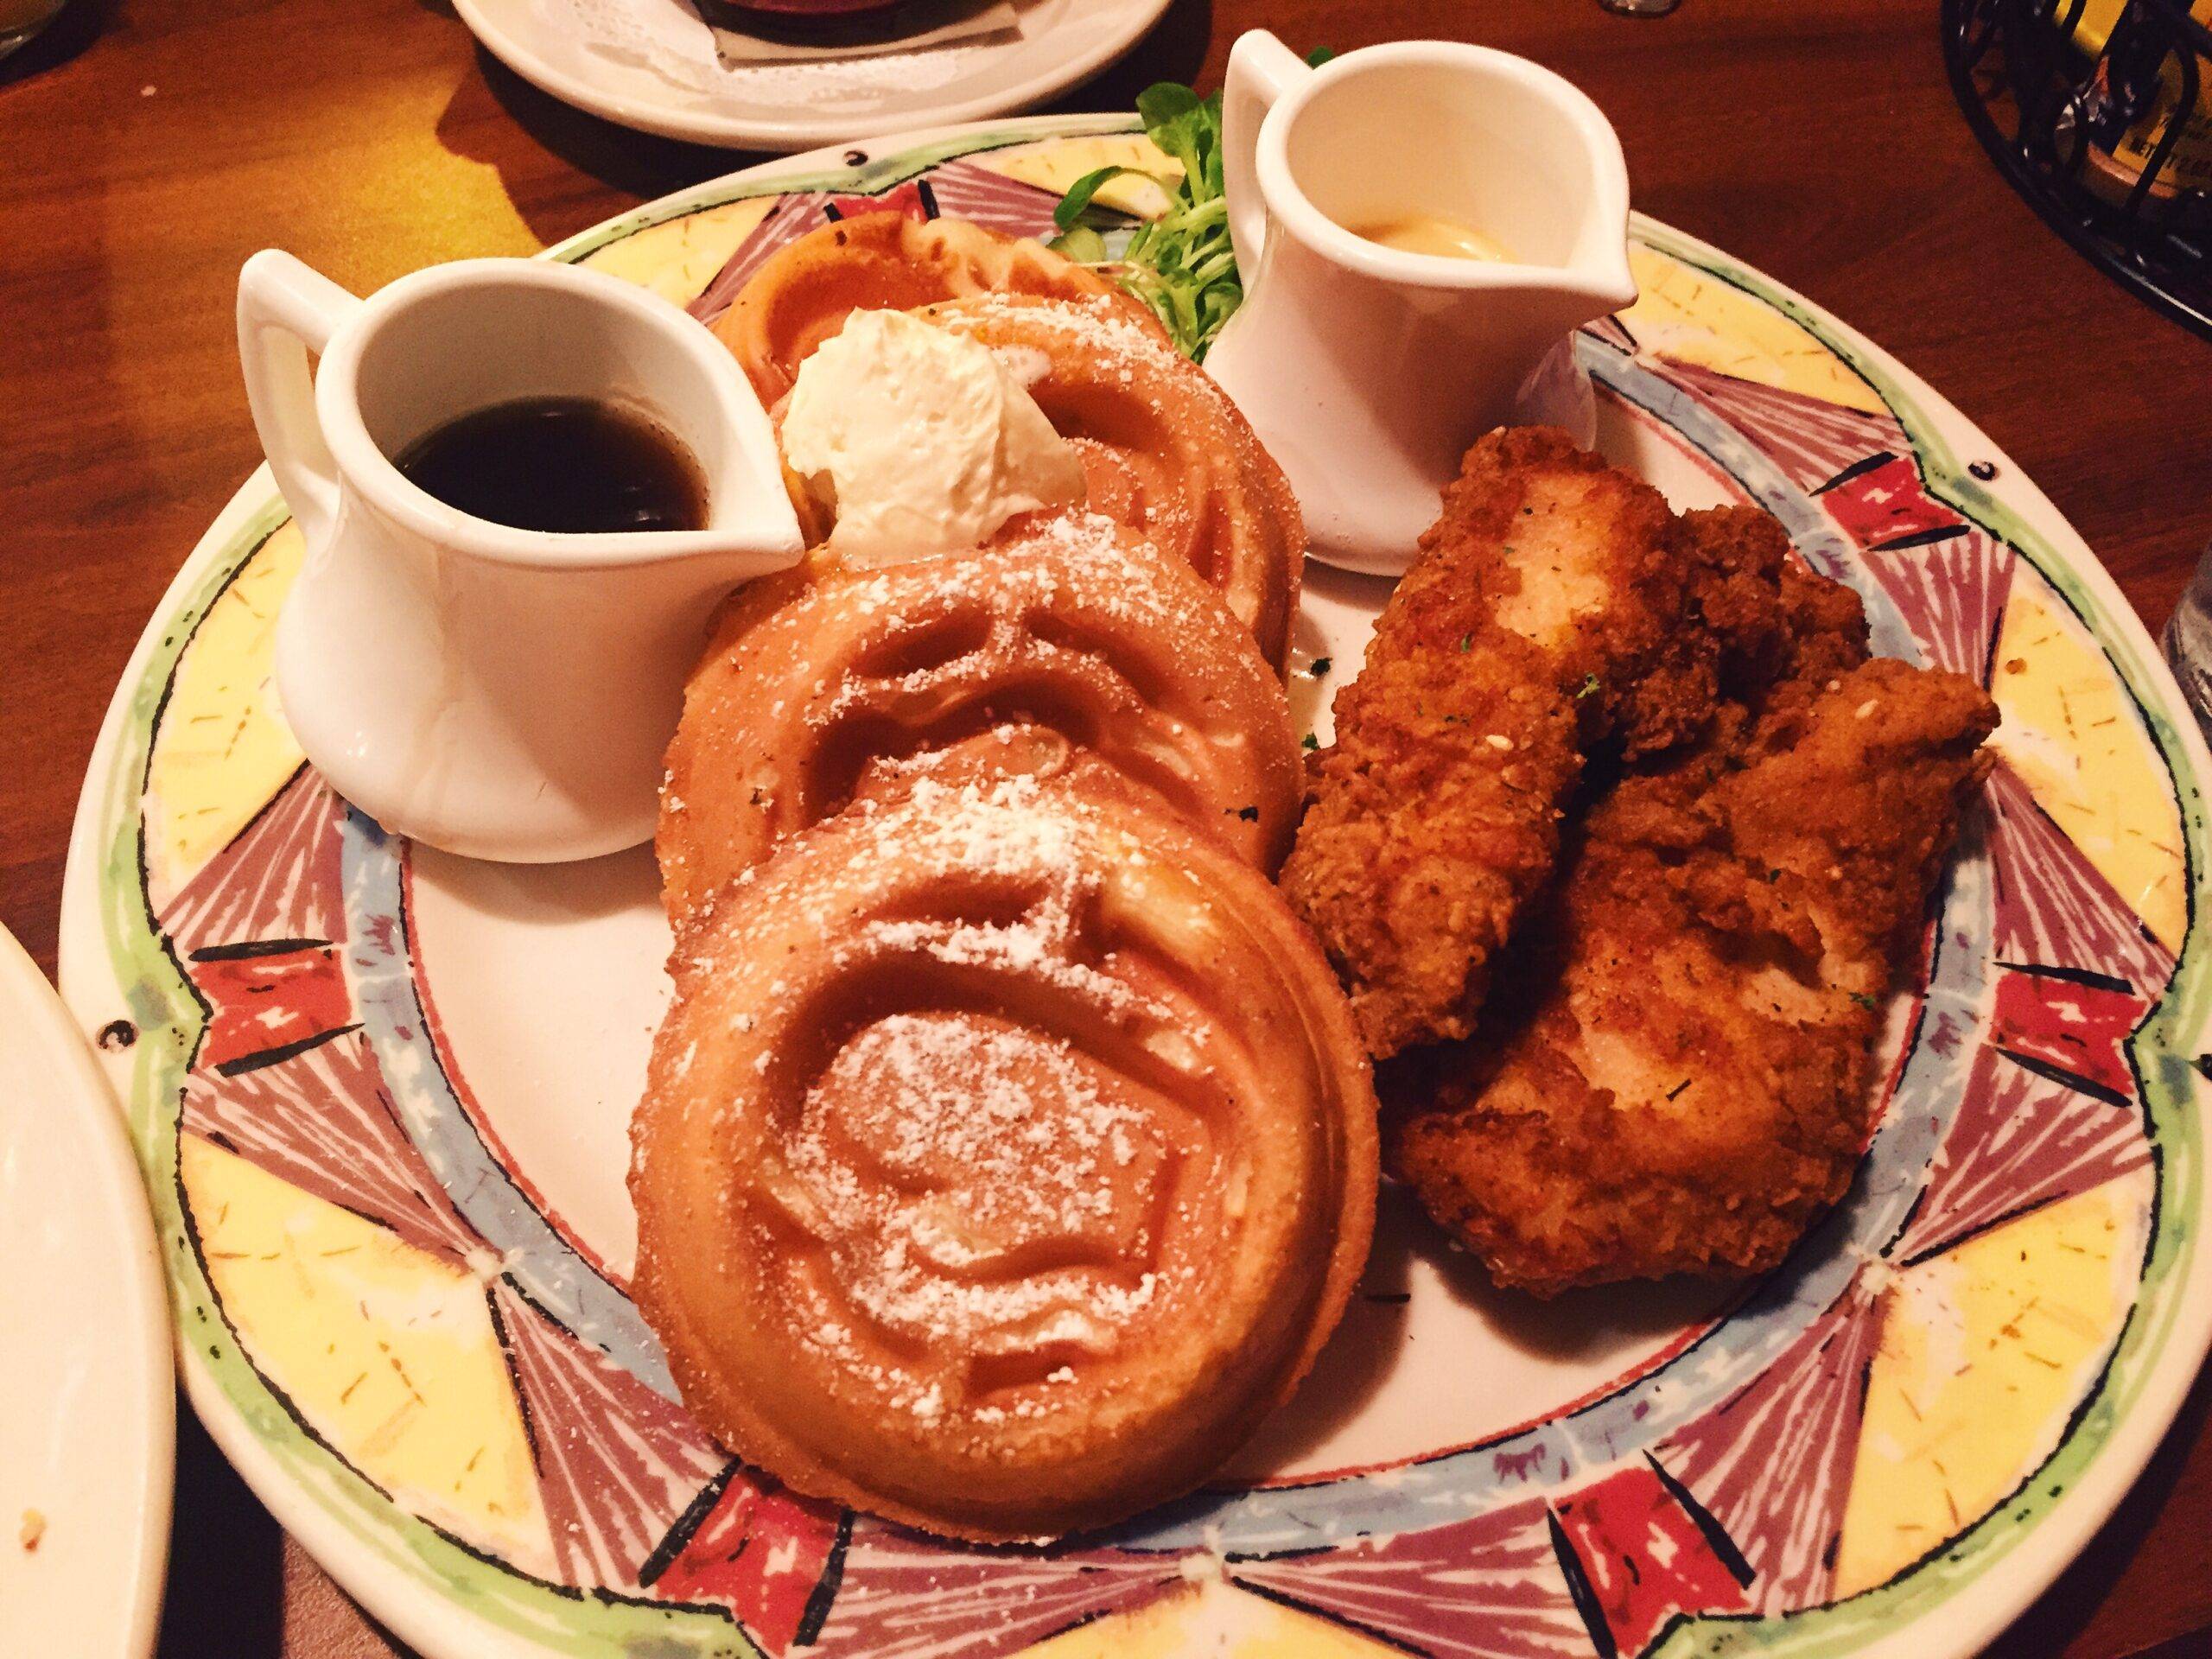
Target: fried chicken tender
x=1556, y=606
x=1681, y=1083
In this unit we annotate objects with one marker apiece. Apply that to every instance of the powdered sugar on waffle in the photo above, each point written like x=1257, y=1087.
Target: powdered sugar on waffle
x=999, y=828
x=1002, y=827
x=1198, y=449
x=1079, y=561
x=1091, y=549
x=1098, y=326
x=938, y=1149
x=1034, y=1147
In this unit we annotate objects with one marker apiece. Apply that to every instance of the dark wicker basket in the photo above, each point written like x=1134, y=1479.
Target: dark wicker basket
x=2106, y=139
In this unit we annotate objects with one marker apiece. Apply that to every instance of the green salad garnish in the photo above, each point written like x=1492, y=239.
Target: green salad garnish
x=1180, y=264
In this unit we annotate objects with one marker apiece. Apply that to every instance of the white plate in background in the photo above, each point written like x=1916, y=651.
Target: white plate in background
x=87, y=1397
x=795, y=105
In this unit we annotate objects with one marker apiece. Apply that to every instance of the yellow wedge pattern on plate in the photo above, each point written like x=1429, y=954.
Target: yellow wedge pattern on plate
x=1215, y=1619
x=1985, y=1352
x=678, y=258
x=1058, y=163
x=2072, y=733
x=388, y=1352
x=1685, y=314
x=222, y=748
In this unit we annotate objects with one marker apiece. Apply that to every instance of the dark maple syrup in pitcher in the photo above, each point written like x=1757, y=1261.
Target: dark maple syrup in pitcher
x=574, y=465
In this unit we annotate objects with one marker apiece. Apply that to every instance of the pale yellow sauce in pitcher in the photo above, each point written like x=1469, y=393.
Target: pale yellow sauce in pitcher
x=1435, y=234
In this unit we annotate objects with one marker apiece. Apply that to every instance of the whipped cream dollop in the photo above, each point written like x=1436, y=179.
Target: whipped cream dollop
x=920, y=441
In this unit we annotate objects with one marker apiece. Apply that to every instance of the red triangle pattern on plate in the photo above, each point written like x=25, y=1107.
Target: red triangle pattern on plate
x=1490, y=1588
x=323, y=1122
x=2054, y=908
x=768, y=1554
x=905, y=1596
x=617, y=1465
x=1640, y=1550
x=276, y=879
x=1810, y=440
x=1772, y=1463
x=1879, y=503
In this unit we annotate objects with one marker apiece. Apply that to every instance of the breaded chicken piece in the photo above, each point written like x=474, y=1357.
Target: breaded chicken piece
x=1683, y=1084
x=1557, y=606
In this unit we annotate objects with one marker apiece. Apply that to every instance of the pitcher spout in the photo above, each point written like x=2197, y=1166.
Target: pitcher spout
x=1578, y=297
x=721, y=557
x=1610, y=287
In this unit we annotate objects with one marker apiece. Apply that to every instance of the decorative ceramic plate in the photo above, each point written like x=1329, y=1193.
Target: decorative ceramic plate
x=87, y=1395
x=783, y=106
x=384, y=1094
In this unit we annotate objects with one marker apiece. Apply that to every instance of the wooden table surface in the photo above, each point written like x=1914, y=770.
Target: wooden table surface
x=146, y=148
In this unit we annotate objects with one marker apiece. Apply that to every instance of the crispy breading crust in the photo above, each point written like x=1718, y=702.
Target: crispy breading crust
x=1556, y=606
x=1682, y=1082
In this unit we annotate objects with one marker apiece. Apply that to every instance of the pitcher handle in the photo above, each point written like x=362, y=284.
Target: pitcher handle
x=1261, y=70
x=286, y=310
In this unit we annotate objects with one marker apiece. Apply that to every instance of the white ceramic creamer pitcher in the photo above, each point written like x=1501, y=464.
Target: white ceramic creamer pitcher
x=1367, y=371
x=496, y=692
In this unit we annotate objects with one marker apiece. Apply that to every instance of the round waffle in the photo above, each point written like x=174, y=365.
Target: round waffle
x=885, y=262
x=1065, y=637
x=1008, y=1153
x=1164, y=450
